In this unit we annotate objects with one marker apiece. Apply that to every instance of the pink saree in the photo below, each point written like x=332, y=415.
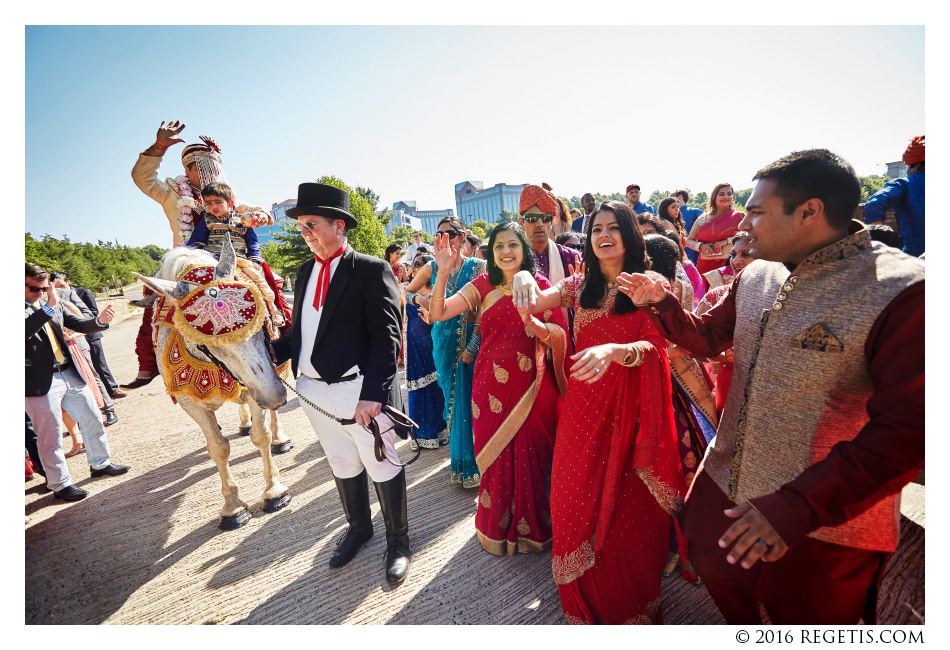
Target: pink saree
x=516, y=398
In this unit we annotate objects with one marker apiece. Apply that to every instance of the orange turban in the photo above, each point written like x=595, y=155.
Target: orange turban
x=536, y=195
x=915, y=151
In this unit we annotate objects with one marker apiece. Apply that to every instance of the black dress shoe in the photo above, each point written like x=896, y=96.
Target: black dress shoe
x=139, y=382
x=70, y=493
x=111, y=418
x=109, y=470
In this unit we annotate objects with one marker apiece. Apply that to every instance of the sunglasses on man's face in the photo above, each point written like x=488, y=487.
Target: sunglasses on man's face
x=451, y=233
x=33, y=289
x=533, y=218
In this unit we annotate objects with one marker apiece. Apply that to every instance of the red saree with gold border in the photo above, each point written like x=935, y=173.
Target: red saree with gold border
x=516, y=395
x=616, y=477
x=713, y=230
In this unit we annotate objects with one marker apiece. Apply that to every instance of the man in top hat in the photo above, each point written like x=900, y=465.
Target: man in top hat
x=180, y=198
x=905, y=196
x=343, y=346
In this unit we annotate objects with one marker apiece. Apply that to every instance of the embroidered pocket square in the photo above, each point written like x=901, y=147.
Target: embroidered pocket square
x=817, y=337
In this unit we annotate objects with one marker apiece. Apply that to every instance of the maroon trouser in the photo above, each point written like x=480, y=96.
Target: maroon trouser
x=143, y=340
x=814, y=583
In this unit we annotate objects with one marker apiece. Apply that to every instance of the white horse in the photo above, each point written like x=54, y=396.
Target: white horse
x=248, y=361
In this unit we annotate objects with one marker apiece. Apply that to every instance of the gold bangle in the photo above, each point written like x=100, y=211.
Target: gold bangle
x=545, y=338
x=433, y=298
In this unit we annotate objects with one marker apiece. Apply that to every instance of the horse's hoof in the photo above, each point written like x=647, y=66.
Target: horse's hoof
x=235, y=521
x=277, y=503
x=244, y=431
x=282, y=448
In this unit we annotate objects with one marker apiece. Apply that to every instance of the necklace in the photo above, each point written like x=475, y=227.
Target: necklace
x=506, y=289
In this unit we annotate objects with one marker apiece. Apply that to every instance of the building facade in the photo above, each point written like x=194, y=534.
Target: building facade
x=428, y=219
x=279, y=212
x=473, y=201
x=896, y=169
x=401, y=218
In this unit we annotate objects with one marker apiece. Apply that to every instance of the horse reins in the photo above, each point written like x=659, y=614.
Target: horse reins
x=379, y=445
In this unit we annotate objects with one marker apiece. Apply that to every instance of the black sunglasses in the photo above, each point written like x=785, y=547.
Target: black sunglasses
x=533, y=218
x=33, y=289
x=451, y=233
x=416, y=265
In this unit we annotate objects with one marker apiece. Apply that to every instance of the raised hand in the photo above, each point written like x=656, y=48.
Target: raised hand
x=107, y=314
x=641, y=288
x=445, y=255
x=581, y=268
x=166, y=135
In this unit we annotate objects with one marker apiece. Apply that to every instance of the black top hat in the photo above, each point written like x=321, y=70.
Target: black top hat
x=323, y=200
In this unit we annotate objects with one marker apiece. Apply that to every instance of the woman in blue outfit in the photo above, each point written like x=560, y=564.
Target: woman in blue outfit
x=454, y=347
x=426, y=403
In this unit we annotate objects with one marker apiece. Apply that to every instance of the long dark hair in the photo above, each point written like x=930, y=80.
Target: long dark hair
x=635, y=259
x=663, y=255
x=392, y=248
x=678, y=221
x=495, y=275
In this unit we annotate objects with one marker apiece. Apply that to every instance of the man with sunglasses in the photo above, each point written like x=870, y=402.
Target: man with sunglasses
x=343, y=345
x=538, y=207
x=54, y=383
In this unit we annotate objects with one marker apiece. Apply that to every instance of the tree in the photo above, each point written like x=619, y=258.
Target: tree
x=871, y=185
x=287, y=251
x=368, y=195
x=507, y=215
x=739, y=198
x=401, y=235
x=479, y=228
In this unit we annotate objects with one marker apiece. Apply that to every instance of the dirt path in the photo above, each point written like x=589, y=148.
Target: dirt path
x=145, y=548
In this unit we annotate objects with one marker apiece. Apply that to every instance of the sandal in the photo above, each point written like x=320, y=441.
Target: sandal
x=671, y=564
x=75, y=451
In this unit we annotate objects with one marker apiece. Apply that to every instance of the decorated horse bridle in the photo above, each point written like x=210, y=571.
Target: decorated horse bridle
x=225, y=311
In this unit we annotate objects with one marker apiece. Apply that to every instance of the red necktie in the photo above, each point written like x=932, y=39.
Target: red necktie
x=323, y=280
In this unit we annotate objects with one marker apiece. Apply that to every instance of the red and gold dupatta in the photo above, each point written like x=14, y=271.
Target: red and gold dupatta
x=510, y=366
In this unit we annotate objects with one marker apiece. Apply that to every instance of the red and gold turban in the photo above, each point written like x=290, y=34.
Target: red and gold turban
x=536, y=195
x=915, y=151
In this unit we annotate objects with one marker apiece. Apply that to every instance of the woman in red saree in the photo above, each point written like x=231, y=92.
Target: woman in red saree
x=516, y=394
x=711, y=231
x=616, y=476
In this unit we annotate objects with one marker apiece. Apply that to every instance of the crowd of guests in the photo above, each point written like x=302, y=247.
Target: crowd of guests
x=580, y=367
x=580, y=421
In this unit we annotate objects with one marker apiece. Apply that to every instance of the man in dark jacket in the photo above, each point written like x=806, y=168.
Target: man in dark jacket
x=54, y=383
x=343, y=345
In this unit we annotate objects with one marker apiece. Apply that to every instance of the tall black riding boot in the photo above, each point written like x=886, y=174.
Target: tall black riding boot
x=392, y=501
x=354, y=495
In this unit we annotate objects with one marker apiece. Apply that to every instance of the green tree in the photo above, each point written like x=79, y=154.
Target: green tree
x=507, y=215
x=401, y=235
x=479, y=228
x=871, y=185
x=369, y=236
x=740, y=197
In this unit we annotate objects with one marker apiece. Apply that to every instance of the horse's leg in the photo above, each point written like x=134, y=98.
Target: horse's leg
x=244, y=428
x=275, y=495
x=279, y=441
x=234, y=514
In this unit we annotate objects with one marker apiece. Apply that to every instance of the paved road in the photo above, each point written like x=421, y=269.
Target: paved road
x=145, y=548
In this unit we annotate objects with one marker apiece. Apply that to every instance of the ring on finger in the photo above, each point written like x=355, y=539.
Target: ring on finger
x=763, y=543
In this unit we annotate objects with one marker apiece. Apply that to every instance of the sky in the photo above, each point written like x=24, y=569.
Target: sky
x=411, y=111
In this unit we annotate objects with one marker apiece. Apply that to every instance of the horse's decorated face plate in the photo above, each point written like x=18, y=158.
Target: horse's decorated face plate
x=219, y=312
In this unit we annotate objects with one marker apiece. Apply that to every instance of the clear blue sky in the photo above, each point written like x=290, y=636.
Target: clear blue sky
x=410, y=111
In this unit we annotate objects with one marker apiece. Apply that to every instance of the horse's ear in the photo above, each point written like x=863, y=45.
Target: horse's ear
x=174, y=290
x=227, y=261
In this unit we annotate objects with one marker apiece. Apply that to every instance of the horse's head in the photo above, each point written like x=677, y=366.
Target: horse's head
x=225, y=315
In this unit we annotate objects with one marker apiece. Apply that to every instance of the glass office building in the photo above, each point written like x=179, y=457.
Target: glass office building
x=429, y=219
x=473, y=201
